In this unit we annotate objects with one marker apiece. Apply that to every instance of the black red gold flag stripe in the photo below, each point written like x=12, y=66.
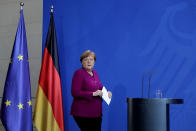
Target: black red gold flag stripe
x=48, y=114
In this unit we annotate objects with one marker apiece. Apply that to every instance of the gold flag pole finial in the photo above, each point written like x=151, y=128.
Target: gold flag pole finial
x=21, y=5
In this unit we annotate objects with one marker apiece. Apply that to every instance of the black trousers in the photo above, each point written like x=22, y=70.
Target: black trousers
x=88, y=124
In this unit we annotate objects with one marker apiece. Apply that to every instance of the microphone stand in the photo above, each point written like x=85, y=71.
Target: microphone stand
x=143, y=82
x=149, y=83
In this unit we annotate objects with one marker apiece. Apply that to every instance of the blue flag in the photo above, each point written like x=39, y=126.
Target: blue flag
x=16, y=105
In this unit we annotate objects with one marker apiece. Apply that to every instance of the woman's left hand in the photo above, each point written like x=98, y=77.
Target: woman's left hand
x=109, y=94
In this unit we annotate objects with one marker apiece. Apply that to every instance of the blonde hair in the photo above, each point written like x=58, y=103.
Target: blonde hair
x=86, y=54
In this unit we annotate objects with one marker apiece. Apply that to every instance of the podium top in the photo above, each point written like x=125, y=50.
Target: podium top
x=156, y=100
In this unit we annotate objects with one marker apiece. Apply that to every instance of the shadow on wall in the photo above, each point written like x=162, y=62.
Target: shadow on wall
x=118, y=109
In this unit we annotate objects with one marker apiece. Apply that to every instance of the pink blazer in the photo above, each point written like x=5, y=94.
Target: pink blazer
x=84, y=103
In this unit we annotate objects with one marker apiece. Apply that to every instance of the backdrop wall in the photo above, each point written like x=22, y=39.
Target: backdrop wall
x=129, y=37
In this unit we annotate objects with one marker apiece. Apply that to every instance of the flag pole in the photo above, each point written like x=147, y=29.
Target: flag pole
x=21, y=5
x=51, y=8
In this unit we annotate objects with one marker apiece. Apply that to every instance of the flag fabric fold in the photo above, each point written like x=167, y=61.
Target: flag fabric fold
x=16, y=105
x=48, y=114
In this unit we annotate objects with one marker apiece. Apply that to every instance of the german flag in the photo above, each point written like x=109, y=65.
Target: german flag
x=48, y=114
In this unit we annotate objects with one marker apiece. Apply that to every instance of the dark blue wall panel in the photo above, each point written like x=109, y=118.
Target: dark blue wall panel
x=129, y=38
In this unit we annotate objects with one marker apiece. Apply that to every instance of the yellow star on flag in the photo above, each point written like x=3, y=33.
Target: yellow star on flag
x=29, y=102
x=20, y=106
x=20, y=57
x=8, y=103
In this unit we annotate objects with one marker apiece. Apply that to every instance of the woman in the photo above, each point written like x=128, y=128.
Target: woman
x=86, y=91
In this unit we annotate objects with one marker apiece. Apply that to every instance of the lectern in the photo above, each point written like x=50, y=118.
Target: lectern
x=149, y=114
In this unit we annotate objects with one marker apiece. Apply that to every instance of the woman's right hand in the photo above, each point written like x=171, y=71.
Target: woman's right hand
x=98, y=93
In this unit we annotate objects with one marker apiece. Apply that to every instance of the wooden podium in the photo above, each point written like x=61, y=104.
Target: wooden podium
x=149, y=114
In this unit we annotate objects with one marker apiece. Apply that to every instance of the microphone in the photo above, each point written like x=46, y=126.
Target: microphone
x=146, y=73
x=149, y=83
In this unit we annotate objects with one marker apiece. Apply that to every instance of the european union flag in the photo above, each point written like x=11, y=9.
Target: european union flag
x=16, y=105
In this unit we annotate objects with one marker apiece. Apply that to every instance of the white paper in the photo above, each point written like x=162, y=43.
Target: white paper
x=105, y=95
